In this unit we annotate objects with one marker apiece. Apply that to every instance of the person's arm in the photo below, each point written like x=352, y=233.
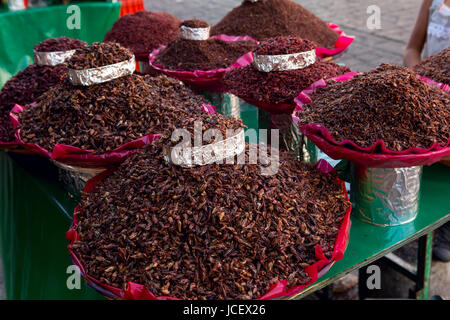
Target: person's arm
x=413, y=50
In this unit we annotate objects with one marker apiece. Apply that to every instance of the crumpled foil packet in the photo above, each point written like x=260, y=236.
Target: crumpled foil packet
x=194, y=33
x=284, y=62
x=74, y=178
x=386, y=196
x=53, y=58
x=189, y=157
x=87, y=77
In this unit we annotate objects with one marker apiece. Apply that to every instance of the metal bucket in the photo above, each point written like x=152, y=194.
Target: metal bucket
x=74, y=179
x=385, y=196
x=292, y=139
x=226, y=104
x=230, y=105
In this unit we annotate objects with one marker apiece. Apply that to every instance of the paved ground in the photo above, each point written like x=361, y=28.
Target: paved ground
x=370, y=48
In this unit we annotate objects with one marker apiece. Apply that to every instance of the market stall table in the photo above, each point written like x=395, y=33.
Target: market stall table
x=35, y=213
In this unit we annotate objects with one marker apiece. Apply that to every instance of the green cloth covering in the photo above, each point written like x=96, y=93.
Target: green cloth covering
x=21, y=30
x=35, y=213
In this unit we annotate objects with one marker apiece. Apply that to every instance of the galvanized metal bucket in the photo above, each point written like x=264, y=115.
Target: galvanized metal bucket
x=74, y=178
x=230, y=105
x=297, y=143
x=385, y=196
x=226, y=104
x=291, y=138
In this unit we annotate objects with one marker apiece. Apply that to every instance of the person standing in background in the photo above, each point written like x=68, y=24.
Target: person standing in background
x=431, y=34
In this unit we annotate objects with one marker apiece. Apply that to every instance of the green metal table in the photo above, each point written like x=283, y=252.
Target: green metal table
x=35, y=213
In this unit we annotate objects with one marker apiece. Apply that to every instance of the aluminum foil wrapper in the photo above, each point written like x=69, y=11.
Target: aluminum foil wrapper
x=194, y=33
x=189, y=157
x=303, y=149
x=292, y=139
x=74, y=178
x=284, y=62
x=53, y=58
x=87, y=77
x=386, y=196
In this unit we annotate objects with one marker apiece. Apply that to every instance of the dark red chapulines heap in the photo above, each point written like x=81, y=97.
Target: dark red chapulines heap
x=266, y=19
x=217, y=231
x=436, y=67
x=191, y=55
x=387, y=103
x=144, y=31
x=195, y=23
x=98, y=55
x=284, y=45
x=59, y=44
x=24, y=88
x=279, y=87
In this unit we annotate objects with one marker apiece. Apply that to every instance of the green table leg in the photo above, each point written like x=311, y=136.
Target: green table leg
x=421, y=277
x=424, y=266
